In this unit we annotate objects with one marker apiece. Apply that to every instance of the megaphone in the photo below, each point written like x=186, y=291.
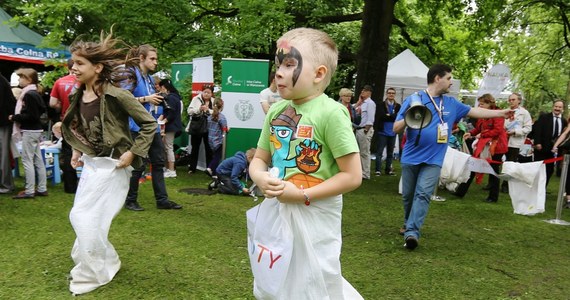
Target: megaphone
x=417, y=116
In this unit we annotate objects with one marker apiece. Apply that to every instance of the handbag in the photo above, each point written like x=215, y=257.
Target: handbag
x=199, y=124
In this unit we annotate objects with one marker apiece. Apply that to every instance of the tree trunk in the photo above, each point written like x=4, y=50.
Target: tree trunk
x=374, y=47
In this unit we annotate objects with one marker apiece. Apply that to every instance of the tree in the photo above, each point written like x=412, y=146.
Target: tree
x=533, y=39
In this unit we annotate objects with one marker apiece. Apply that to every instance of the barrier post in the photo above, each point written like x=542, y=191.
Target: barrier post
x=560, y=200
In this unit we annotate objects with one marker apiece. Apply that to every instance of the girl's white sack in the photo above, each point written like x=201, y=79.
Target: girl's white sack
x=100, y=196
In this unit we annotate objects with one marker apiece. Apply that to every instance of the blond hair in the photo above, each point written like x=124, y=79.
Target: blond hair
x=319, y=48
x=345, y=92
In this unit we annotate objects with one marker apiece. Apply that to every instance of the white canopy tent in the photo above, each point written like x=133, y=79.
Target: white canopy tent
x=408, y=74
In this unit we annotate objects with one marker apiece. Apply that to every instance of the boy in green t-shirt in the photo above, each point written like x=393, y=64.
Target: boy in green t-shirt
x=308, y=141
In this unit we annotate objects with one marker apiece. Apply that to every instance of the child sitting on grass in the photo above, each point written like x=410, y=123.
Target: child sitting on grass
x=229, y=173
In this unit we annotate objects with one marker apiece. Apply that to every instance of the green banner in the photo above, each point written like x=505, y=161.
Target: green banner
x=244, y=75
x=180, y=72
x=242, y=80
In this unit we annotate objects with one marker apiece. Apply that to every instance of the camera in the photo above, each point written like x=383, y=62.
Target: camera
x=164, y=104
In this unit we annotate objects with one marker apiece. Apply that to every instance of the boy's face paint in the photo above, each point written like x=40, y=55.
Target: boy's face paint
x=289, y=57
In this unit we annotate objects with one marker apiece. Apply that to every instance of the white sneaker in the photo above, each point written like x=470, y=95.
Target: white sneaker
x=170, y=174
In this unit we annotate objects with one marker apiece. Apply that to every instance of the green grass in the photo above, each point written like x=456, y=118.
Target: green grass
x=469, y=249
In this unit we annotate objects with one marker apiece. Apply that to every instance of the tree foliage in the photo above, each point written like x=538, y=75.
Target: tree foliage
x=534, y=41
x=531, y=36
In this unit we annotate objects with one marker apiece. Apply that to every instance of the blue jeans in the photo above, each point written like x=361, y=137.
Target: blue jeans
x=156, y=158
x=388, y=142
x=418, y=184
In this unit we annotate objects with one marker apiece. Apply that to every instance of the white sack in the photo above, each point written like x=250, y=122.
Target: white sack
x=100, y=196
x=527, y=200
x=314, y=268
x=455, y=167
x=525, y=172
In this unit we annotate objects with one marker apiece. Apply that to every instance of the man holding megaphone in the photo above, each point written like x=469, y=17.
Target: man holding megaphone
x=427, y=118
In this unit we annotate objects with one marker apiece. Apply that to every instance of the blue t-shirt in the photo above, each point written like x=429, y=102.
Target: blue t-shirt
x=428, y=150
x=388, y=129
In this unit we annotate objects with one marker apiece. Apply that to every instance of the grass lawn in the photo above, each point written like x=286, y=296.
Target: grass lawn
x=469, y=249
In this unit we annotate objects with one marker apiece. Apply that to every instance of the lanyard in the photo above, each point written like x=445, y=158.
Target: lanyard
x=438, y=109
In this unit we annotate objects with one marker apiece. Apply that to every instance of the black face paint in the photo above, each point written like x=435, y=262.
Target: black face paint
x=293, y=54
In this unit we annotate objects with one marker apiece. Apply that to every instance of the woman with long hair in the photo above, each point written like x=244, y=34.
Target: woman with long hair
x=173, y=125
x=28, y=128
x=217, y=128
x=491, y=143
x=97, y=128
x=199, y=109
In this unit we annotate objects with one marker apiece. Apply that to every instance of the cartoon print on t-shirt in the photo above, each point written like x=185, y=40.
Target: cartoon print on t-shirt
x=285, y=129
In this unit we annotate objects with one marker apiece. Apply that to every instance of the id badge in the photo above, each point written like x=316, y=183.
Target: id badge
x=442, y=133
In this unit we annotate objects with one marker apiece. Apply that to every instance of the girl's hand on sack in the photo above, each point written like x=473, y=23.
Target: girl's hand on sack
x=271, y=187
x=75, y=162
x=291, y=194
x=125, y=160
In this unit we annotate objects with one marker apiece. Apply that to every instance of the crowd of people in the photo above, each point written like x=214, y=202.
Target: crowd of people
x=117, y=120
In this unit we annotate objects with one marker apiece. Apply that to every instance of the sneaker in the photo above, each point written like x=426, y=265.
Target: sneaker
x=378, y=173
x=437, y=198
x=170, y=174
x=212, y=185
x=411, y=243
x=209, y=172
x=134, y=206
x=567, y=205
x=392, y=173
x=168, y=205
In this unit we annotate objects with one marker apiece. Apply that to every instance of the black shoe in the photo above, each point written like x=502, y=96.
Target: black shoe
x=168, y=205
x=486, y=188
x=505, y=189
x=489, y=200
x=567, y=205
x=411, y=243
x=42, y=194
x=134, y=206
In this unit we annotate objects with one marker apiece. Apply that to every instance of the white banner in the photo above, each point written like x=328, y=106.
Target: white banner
x=243, y=110
x=495, y=80
x=203, y=69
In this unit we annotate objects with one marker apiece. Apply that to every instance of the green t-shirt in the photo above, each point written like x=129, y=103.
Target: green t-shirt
x=304, y=140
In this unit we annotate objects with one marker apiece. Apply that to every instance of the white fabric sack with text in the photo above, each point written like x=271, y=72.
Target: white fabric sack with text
x=100, y=196
x=313, y=269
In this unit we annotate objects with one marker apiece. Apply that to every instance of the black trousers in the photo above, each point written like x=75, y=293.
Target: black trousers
x=69, y=173
x=195, y=141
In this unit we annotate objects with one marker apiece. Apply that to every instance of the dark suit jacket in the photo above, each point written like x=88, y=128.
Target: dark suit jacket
x=384, y=115
x=542, y=131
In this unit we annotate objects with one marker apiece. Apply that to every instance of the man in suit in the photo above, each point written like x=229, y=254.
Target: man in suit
x=545, y=132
